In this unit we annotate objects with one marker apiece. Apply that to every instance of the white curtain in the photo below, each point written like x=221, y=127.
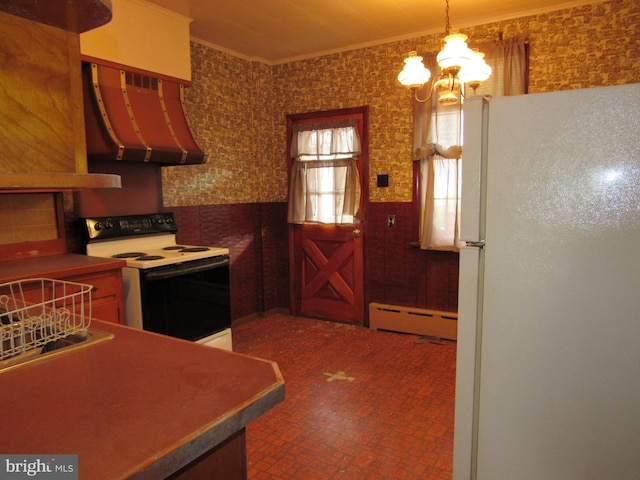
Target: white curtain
x=438, y=143
x=325, y=183
x=440, y=203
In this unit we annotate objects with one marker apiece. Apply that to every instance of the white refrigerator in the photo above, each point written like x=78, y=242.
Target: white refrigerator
x=548, y=366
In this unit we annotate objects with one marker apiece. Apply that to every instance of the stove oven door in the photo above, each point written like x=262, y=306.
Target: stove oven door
x=189, y=300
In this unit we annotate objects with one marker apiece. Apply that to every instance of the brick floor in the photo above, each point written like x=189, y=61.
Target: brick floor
x=359, y=404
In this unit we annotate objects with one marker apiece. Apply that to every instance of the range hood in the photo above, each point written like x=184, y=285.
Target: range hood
x=136, y=117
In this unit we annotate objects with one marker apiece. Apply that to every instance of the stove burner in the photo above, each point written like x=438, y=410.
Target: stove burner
x=173, y=247
x=129, y=255
x=194, y=249
x=150, y=257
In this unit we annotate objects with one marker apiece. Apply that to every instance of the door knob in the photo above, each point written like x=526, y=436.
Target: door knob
x=356, y=232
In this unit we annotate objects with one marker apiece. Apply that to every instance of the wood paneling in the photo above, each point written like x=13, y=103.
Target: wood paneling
x=141, y=191
x=257, y=236
x=41, y=102
x=401, y=274
x=275, y=254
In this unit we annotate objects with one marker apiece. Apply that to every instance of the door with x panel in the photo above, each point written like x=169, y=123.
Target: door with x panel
x=331, y=280
x=327, y=268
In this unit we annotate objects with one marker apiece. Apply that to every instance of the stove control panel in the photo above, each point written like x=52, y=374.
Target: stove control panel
x=103, y=228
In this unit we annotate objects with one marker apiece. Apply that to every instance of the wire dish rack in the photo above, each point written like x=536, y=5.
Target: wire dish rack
x=38, y=311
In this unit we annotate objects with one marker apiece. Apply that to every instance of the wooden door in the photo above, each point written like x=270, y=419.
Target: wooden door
x=326, y=261
x=331, y=272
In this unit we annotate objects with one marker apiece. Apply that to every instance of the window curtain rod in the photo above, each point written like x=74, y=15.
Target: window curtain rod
x=305, y=127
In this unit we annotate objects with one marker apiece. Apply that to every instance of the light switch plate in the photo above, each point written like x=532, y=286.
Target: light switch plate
x=391, y=221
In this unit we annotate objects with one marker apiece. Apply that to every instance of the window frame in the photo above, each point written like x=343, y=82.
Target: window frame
x=363, y=128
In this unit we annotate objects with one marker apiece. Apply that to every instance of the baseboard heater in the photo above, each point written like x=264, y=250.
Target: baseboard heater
x=418, y=321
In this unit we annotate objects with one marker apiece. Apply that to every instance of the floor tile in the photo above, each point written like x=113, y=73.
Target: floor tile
x=359, y=404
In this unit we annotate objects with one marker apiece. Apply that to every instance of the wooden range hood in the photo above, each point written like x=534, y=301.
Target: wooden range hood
x=136, y=116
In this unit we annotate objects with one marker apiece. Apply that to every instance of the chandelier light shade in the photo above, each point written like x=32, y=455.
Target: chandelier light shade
x=455, y=53
x=476, y=71
x=458, y=65
x=414, y=74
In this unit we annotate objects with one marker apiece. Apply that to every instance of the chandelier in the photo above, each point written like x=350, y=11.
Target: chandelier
x=458, y=65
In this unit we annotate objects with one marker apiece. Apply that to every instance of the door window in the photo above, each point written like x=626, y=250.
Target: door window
x=325, y=182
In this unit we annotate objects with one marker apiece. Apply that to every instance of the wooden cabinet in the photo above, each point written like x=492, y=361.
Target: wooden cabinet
x=227, y=460
x=71, y=15
x=105, y=275
x=41, y=107
x=107, y=298
x=41, y=111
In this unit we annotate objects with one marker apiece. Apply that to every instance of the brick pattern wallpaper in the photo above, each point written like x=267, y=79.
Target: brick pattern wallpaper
x=238, y=107
x=229, y=107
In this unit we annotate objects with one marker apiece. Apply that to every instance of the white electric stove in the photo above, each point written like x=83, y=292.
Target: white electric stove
x=176, y=290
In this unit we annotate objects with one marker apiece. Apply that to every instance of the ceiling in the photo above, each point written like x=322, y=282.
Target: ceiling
x=278, y=31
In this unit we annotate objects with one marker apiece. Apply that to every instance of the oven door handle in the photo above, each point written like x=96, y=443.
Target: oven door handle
x=174, y=272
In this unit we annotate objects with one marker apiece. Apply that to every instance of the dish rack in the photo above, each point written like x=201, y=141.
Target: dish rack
x=38, y=311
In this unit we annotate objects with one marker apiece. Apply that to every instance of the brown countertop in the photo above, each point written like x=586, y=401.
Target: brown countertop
x=139, y=405
x=55, y=266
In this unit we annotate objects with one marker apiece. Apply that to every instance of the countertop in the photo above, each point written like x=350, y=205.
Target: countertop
x=59, y=265
x=139, y=405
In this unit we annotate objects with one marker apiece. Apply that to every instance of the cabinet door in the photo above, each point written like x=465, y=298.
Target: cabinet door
x=107, y=298
x=41, y=107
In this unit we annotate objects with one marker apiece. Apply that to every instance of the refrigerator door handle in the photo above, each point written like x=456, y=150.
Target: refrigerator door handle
x=478, y=244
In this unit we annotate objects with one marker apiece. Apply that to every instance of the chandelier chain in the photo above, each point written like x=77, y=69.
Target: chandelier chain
x=446, y=13
x=460, y=68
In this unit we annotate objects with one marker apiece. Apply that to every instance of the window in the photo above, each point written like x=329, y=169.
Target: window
x=440, y=222
x=438, y=145
x=325, y=185
x=440, y=181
